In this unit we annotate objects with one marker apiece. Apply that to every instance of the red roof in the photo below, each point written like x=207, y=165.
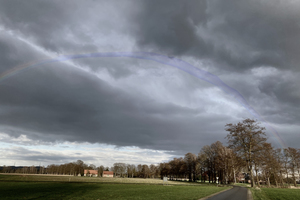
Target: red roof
x=90, y=171
x=108, y=173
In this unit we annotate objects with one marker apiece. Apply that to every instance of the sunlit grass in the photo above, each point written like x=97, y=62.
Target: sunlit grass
x=275, y=194
x=55, y=187
x=52, y=178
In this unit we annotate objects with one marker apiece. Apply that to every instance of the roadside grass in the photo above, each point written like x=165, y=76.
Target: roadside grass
x=275, y=194
x=59, y=187
x=243, y=184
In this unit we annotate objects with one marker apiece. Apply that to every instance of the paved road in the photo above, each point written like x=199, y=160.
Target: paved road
x=236, y=193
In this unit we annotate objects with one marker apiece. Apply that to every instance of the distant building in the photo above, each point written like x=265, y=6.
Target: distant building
x=241, y=177
x=108, y=174
x=90, y=172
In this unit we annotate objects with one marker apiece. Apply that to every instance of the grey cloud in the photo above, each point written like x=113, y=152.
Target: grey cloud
x=265, y=31
x=15, y=53
x=170, y=26
x=66, y=104
x=34, y=156
x=275, y=96
x=68, y=27
x=237, y=35
x=58, y=102
x=63, y=27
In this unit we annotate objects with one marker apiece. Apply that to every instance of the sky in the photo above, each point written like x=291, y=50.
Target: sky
x=104, y=110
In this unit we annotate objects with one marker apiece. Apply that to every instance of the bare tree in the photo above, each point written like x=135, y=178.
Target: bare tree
x=175, y=166
x=246, y=139
x=269, y=164
x=293, y=162
x=92, y=166
x=190, y=160
x=280, y=162
x=285, y=159
x=145, y=171
x=152, y=170
x=119, y=169
x=100, y=170
x=131, y=170
x=201, y=159
x=163, y=169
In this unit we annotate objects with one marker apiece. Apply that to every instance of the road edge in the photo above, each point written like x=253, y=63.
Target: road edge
x=204, y=198
x=249, y=195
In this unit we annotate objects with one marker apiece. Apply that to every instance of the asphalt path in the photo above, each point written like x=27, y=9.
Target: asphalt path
x=236, y=193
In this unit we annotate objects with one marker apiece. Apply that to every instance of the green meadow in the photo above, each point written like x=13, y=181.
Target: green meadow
x=275, y=194
x=63, y=187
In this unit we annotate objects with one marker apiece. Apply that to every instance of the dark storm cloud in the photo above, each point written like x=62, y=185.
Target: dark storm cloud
x=246, y=35
x=274, y=95
x=69, y=27
x=14, y=53
x=49, y=23
x=59, y=102
x=266, y=31
x=170, y=26
x=235, y=34
x=66, y=104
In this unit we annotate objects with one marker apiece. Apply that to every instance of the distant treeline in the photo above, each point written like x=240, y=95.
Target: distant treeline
x=246, y=158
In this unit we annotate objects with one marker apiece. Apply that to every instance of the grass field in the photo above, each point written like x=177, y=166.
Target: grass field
x=59, y=187
x=275, y=194
x=50, y=178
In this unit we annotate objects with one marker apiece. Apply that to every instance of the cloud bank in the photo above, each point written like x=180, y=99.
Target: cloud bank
x=252, y=47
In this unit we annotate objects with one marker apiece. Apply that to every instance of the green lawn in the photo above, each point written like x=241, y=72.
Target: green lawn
x=22, y=189
x=275, y=194
x=50, y=178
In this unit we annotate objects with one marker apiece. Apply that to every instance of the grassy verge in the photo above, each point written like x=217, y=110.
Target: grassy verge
x=55, y=187
x=275, y=194
x=243, y=184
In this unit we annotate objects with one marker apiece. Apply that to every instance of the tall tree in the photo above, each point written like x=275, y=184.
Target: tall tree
x=152, y=170
x=270, y=166
x=293, y=156
x=209, y=160
x=246, y=138
x=164, y=169
x=145, y=171
x=119, y=169
x=131, y=170
x=100, y=170
x=280, y=162
x=190, y=161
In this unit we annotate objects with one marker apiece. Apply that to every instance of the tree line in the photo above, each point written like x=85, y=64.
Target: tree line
x=247, y=157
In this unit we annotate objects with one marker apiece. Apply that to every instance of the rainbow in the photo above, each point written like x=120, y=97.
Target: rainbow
x=167, y=60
